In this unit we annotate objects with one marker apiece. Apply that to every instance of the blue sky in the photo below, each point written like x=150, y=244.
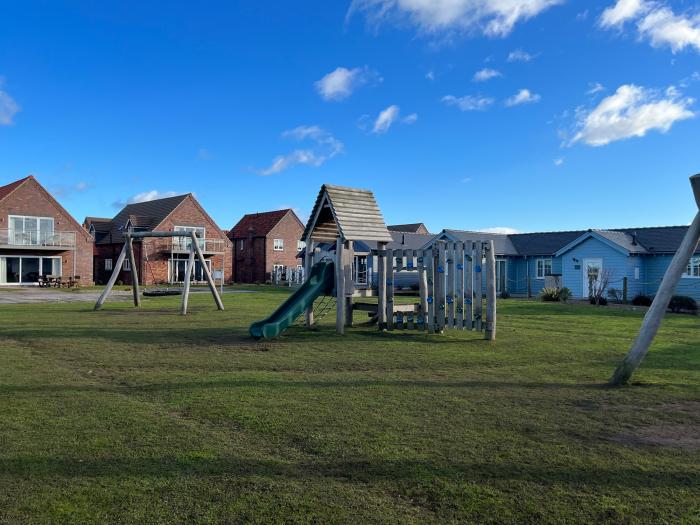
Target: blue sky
x=530, y=114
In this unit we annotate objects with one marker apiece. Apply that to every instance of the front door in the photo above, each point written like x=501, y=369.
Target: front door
x=591, y=270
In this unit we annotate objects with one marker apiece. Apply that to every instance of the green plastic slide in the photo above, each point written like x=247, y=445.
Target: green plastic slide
x=321, y=281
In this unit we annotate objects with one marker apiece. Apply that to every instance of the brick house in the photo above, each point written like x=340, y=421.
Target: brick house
x=39, y=238
x=264, y=242
x=160, y=260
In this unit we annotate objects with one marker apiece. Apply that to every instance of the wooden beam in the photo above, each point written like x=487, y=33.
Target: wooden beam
x=339, y=287
x=207, y=273
x=382, y=263
x=188, y=277
x=478, y=285
x=112, y=279
x=134, y=271
x=490, y=291
x=308, y=264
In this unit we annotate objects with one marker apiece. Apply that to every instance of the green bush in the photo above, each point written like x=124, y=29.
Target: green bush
x=642, y=300
x=683, y=303
x=564, y=294
x=550, y=295
x=505, y=294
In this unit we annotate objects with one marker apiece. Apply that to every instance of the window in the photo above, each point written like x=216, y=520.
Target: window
x=544, y=268
x=241, y=244
x=636, y=273
x=300, y=245
x=278, y=245
x=27, y=230
x=108, y=265
x=127, y=265
x=693, y=269
x=183, y=243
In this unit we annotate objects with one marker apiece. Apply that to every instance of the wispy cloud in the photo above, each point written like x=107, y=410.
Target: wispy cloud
x=145, y=196
x=323, y=146
x=66, y=190
x=655, y=22
x=524, y=96
x=486, y=74
x=387, y=117
x=468, y=102
x=559, y=162
x=595, y=87
x=505, y=230
x=491, y=17
x=430, y=75
x=8, y=107
x=519, y=55
x=632, y=111
x=340, y=83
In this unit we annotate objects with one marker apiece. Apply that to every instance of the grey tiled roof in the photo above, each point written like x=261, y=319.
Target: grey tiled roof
x=502, y=242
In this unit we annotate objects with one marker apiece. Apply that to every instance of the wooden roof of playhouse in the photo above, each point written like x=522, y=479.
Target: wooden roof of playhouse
x=349, y=213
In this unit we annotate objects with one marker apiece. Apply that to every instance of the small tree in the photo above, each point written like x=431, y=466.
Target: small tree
x=598, y=282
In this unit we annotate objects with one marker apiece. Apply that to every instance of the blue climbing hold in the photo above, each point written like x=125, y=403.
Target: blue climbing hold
x=430, y=299
x=477, y=269
x=460, y=266
x=441, y=269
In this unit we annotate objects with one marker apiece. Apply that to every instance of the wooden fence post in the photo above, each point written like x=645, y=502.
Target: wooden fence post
x=490, y=291
x=423, y=290
x=134, y=272
x=348, y=256
x=308, y=264
x=469, y=286
x=440, y=282
x=339, y=287
x=429, y=261
x=450, y=270
x=381, y=285
x=478, y=284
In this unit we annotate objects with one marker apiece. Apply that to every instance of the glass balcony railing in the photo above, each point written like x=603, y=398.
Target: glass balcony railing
x=183, y=244
x=29, y=238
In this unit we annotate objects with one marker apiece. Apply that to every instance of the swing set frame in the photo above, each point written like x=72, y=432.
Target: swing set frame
x=128, y=251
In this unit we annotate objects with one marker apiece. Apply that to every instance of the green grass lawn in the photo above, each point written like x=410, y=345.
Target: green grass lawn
x=143, y=416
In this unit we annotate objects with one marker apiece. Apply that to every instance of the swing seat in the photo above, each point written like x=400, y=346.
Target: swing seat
x=161, y=292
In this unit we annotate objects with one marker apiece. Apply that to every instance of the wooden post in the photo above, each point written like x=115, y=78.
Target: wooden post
x=478, y=284
x=423, y=291
x=188, y=277
x=207, y=273
x=624, y=289
x=459, y=285
x=528, y=278
x=134, y=272
x=429, y=261
x=440, y=282
x=308, y=263
x=390, y=290
x=451, y=297
x=339, y=287
x=469, y=286
x=490, y=292
x=112, y=279
x=348, y=255
x=655, y=314
x=381, y=285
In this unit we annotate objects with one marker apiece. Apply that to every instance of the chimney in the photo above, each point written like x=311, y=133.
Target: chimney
x=634, y=238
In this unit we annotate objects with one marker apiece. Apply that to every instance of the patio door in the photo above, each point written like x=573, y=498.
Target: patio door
x=26, y=270
x=591, y=269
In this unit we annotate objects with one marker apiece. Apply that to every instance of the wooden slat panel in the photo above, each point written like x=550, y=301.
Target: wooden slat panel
x=459, y=285
x=422, y=292
x=450, y=275
x=390, y=291
x=478, y=284
x=469, y=285
x=429, y=261
x=440, y=286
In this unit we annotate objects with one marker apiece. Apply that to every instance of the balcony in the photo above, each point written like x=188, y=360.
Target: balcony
x=210, y=246
x=37, y=240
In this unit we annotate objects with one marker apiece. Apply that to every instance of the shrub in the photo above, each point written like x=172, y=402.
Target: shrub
x=683, y=303
x=550, y=295
x=642, y=300
x=505, y=294
x=564, y=294
x=600, y=301
x=615, y=295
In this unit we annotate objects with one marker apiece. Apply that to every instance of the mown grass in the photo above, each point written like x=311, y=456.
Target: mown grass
x=132, y=416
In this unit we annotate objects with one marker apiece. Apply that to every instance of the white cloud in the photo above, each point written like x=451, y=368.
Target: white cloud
x=524, y=96
x=150, y=196
x=388, y=116
x=631, y=111
x=559, y=161
x=621, y=12
x=655, y=22
x=490, y=17
x=505, y=230
x=8, y=107
x=519, y=56
x=595, y=87
x=468, y=102
x=324, y=146
x=486, y=74
x=340, y=83
x=430, y=75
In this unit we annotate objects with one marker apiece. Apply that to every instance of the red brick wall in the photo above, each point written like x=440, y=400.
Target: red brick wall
x=31, y=199
x=255, y=262
x=158, y=250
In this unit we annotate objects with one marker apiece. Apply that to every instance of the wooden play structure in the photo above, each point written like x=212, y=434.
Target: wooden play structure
x=453, y=277
x=128, y=251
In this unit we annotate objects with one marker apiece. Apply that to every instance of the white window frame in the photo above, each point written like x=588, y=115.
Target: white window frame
x=300, y=245
x=544, y=273
x=241, y=245
x=278, y=245
x=692, y=271
x=11, y=230
x=108, y=265
x=126, y=265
